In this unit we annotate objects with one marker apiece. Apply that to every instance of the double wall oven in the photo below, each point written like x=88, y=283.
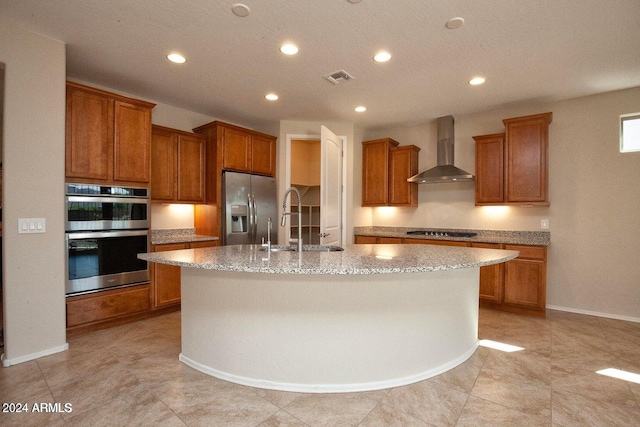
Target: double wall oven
x=106, y=228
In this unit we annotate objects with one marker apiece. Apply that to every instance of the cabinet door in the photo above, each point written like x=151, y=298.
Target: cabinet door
x=236, y=150
x=489, y=169
x=490, y=276
x=375, y=172
x=263, y=155
x=403, y=165
x=163, y=165
x=522, y=283
x=166, y=278
x=89, y=125
x=132, y=142
x=191, y=168
x=526, y=163
x=525, y=277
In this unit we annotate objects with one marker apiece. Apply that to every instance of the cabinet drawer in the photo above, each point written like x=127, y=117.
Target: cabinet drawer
x=107, y=305
x=528, y=252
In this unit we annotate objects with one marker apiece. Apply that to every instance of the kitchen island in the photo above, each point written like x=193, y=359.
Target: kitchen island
x=369, y=317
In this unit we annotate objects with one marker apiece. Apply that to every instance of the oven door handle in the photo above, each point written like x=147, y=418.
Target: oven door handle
x=101, y=234
x=129, y=200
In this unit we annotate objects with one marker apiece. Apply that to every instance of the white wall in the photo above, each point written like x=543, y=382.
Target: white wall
x=33, y=169
x=594, y=193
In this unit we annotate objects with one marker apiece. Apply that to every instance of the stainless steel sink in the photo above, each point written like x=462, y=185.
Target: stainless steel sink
x=321, y=248
x=305, y=248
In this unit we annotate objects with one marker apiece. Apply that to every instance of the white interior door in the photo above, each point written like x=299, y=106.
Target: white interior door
x=330, y=188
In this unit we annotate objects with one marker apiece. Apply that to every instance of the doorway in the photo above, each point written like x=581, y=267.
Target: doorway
x=304, y=170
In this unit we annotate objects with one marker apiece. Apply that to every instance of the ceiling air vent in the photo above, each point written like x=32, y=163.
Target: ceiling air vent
x=339, y=77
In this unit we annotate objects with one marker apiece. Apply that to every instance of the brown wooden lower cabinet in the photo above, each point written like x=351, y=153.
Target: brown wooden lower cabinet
x=166, y=278
x=490, y=276
x=516, y=286
x=94, y=311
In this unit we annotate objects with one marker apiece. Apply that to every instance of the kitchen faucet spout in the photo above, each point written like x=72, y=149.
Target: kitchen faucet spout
x=283, y=221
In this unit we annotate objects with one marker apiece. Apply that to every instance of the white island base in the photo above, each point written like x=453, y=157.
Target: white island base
x=328, y=333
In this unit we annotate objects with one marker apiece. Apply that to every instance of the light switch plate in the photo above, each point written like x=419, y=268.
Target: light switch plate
x=544, y=224
x=31, y=225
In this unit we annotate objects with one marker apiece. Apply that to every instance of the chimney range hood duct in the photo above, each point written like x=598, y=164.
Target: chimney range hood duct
x=445, y=171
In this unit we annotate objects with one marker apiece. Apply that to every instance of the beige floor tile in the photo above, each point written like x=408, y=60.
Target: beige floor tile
x=335, y=409
x=22, y=382
x=462, y=377
x=282, y=419
x=386, y=416
x=571, y=410
x=139, y=408
x=230, y=406
x=429, y=401
x=482, y=413
x=278, y=398
x=187, y=387
x=520, y=381
x=130, y=375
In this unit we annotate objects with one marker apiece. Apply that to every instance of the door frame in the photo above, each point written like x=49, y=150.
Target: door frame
x=287, y=174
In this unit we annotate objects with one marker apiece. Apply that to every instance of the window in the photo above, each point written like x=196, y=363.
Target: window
x=630, y=133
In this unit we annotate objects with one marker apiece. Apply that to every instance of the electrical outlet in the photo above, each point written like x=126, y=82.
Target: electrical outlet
x=544, y=224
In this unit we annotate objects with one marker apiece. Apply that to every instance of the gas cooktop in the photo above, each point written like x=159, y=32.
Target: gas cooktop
x=440, y=233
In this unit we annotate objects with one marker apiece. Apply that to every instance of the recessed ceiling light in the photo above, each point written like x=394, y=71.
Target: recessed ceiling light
x=271, y=96
x=289, y=49
x=382, y=56
x=177, y=58
x=355, y=1
x=241, y=10
x=454, y=23
x=476, y=81
x=361, y=109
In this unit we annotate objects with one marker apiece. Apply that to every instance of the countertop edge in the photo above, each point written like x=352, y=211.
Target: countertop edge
x=507, y=237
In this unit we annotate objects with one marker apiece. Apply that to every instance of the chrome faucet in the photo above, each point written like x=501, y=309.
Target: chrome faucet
x=283, y=222
x=267, y=244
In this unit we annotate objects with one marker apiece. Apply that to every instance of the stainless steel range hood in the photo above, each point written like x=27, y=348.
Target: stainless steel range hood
x=445, y=171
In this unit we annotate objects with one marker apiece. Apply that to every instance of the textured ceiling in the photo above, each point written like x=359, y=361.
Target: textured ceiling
x=528, y=50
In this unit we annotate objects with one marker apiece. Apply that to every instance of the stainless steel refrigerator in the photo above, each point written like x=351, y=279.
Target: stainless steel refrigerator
x=249, y=200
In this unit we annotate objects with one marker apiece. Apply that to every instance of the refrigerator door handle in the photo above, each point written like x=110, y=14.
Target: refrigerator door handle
x=250, y=219
x=255, y=219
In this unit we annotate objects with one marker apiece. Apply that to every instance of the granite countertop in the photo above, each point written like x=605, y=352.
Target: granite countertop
x=178, y=235
x=355, y=259
x=537, y=238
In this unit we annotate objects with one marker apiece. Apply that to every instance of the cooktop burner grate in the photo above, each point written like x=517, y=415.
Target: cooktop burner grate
x=439, y=233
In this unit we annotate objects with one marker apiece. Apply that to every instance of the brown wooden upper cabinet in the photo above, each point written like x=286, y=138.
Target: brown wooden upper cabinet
x=512, y=168
x=243, y=150
x=108, y=137
x=177, y=166
x=385, y=169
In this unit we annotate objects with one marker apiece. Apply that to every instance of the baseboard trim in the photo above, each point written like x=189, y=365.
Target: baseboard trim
x=594, y=313
x=26, y=358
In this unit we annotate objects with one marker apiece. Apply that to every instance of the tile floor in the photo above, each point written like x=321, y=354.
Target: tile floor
x=130, y=375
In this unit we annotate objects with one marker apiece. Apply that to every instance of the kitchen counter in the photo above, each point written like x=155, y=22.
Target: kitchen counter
x=355, y=259
x=178, y=235
x=370, y=317
x=536, y=238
